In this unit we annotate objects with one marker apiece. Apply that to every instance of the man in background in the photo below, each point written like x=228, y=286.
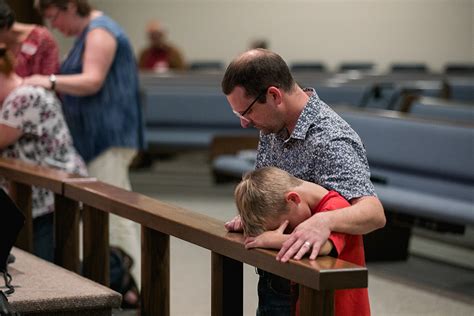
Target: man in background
x=160, y=55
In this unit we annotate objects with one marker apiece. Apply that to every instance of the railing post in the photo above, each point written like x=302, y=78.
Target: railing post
x=155, y=293
x=227, y=286
x=66, y=221
x=21, y=194
x=96, y=245
x=313, y=302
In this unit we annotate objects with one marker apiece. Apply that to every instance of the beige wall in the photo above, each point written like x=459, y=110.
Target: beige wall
x=384, y=31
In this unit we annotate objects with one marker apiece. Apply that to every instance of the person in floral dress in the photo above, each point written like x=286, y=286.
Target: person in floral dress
x=33, y=129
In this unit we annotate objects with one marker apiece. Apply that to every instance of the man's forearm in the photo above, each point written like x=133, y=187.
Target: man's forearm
x=363, y=216
x=366, y=214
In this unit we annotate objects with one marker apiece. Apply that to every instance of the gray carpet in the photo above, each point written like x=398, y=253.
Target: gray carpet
x=423, y=285
x=48, y=289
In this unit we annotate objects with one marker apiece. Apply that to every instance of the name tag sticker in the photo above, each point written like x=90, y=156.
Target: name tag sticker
x=29, y=48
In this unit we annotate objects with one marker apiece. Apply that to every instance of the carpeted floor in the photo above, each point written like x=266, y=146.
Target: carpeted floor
x=419, y=286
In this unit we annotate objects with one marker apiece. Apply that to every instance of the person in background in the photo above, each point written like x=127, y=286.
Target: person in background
x=271, y=203
x=34, y=48
x=302, y=135
x=99, y=87
x=259, y=43
x=160, y=55
x=33, y=129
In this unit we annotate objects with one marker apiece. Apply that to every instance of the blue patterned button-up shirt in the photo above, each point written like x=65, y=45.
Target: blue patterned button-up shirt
x=323, y=149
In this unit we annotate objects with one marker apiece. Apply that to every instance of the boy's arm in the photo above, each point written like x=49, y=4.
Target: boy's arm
x=267, y=239
x=326, y=248
x=234, y=225
x=274, y=239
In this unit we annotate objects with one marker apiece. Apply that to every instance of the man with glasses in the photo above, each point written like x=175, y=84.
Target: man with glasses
x=305, y=137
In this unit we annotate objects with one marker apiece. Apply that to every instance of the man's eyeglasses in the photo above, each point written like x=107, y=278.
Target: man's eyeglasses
x=241, y=115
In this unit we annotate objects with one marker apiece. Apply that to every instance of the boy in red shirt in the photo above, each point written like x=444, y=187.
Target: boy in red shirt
x=271, y=203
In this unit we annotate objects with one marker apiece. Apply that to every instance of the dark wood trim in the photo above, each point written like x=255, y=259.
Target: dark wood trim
x=96, y=245
x=227, y=286
x=33, y=175
x=155, y=293
x=407, y=101
x=227, y=144
x=66, y=220
x=21, y=195
x=316, y=303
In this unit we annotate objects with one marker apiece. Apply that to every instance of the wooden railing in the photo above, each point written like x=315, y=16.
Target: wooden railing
x=318, y=279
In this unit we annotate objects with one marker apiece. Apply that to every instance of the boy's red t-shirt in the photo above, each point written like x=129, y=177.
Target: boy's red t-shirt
x=350, y=248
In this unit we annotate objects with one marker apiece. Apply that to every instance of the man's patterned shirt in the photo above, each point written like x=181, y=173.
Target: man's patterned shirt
x=323, y=149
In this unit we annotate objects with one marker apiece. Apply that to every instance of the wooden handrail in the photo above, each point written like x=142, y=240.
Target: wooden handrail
x=210, y=233
x=22, y=172
x=22, y=176
x=318, y=279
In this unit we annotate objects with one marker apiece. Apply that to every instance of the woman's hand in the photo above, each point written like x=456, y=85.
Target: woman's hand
x=37, y=80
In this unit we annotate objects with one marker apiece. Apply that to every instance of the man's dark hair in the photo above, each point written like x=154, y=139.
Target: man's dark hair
x=255, y=71
x=7, y=17
x=83, y=6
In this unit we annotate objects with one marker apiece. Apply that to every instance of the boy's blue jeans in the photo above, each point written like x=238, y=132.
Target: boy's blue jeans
x=274, y=295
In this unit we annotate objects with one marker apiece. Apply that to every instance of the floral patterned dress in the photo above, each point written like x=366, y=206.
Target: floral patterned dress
x=45, y=141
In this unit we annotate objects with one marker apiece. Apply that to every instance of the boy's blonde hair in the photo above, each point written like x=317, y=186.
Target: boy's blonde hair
x=260, y=196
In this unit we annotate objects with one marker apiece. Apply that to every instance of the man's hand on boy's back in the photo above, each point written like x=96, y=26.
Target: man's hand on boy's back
x=234, y=225
x=309, y=236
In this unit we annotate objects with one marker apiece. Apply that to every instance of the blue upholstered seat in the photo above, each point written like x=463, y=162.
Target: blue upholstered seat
x=409, y=67
x=462, y=89
x=430, y=159
x=443, y=109
x=177, y=118
x=206, y=65
x=358, y=66
x=308, y=66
